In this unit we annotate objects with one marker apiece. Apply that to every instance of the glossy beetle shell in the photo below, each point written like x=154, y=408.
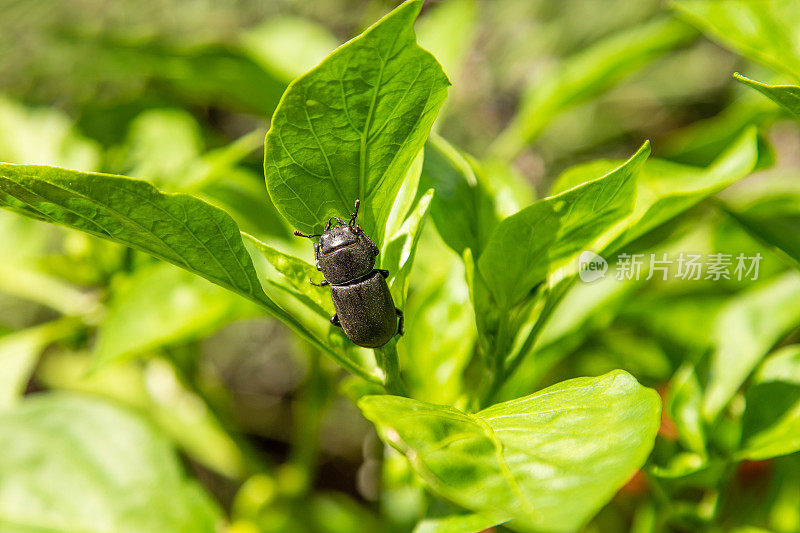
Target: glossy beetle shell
x=366, y=311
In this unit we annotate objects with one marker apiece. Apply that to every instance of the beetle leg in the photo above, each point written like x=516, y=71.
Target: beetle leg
x=399, y=321
x=335, y=320
x=384, y=273
x=298, y=234
x=316, y=256
x=354, y=215
x=320, y=284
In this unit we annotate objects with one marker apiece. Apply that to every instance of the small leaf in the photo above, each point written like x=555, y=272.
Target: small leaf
x=524, y=246
x=19, y=353
x=684, y=406
x=163, y=305
x=771, y=422
x=786, y=96
x=398, y=256
x=350, y=128
x=298, y=273
x=549, y=460
x=744, y=331
x=80, y=464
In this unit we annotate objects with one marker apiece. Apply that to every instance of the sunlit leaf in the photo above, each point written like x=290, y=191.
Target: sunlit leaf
x=549, y=460
x=350, y=128
x=177, y=228
x=786, y=96
x=764, y=31
x=523, y=247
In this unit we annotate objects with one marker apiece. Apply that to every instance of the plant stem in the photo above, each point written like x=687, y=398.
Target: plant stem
x=388, y=360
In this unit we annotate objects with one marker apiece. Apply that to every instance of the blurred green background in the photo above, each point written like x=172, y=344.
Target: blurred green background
x=180, y=92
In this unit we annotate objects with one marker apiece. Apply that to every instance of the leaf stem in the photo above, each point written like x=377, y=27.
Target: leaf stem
x=388, y=361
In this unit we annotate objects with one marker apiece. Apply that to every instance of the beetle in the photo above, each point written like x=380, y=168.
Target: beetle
x=364, y=306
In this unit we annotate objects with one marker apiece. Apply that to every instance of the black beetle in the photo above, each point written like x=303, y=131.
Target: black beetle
x=364, y=307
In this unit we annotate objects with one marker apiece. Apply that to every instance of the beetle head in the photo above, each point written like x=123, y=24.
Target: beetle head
x=338, y=237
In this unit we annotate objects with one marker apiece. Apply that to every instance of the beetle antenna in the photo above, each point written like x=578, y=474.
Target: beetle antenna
x=298, y=234
x=354, y=215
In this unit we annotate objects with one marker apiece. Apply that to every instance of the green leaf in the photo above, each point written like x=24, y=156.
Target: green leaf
x=786, y=96
x=457, y=524
x=771, y=422
x=71, y=464
x=549, y=460
x=665, y=189
x=177, y=228
x=684, y=405
x=462, y=210
x=763, y=31
x=163, y=305
x=523, y=247
x=585, y=75
x=744, y=331
x=769, y=210
x=515, y=259
x=351, y=127
x=398, y=255
x=19, y=353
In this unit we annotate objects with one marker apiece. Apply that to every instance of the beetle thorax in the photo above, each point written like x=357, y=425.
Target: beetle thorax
x=345, y=254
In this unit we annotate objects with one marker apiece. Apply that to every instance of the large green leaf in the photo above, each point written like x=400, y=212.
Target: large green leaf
x=163, y=305
x=765, y=31
x=786, y=96
x=351, y=127
x=587, y=74
x=71, y=464
x=177, y=228
x=744, y=332
x=771, y=423
x=549, y=460
x=524, y=246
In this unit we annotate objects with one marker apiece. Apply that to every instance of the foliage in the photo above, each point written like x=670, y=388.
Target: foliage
x=153, y=301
